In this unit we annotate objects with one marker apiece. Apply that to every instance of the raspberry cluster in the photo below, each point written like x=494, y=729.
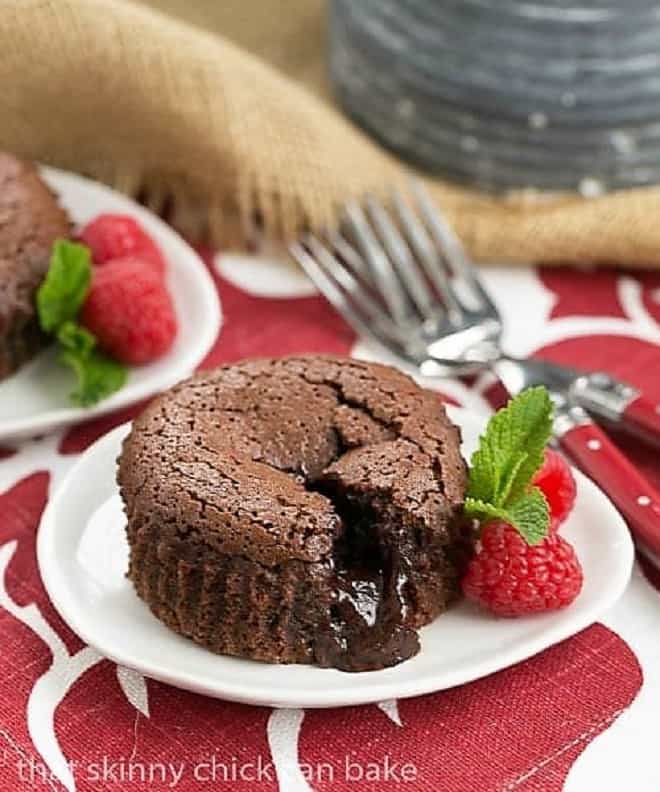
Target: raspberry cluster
x=510, y=577
x=128, y=307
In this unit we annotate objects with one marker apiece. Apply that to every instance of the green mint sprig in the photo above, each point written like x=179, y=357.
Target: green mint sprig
x=65, y=287
x=98, y=375
x=59, y=299
x=502, y=468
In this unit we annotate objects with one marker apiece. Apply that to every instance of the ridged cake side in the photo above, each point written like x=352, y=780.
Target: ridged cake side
x=30, y=221
x=296, y=510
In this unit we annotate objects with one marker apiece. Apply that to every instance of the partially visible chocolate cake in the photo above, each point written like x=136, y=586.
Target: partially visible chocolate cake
x=30, y=221
x=299, y=510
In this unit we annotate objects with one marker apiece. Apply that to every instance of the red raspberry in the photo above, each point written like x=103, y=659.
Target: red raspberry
x=130, y=312
x=556, y=481
x=511, y=578
x=111, y=236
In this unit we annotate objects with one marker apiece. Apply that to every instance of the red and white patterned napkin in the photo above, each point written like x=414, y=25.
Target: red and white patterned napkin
x=582, y=715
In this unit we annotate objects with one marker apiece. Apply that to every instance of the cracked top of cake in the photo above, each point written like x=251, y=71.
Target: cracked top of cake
x=236, y=454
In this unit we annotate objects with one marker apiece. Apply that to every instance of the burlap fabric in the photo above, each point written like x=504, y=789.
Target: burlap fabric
x=222, y=141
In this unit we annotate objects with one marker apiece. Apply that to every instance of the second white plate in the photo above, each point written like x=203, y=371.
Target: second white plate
x=82, y=553
x=35, y=400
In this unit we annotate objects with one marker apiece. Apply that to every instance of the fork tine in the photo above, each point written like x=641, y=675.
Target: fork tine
x=402, y=260
x=450, y=245
x=350, y=285
x=347, y=253
x=384, y=277
x=345, y=292
x=428, y=255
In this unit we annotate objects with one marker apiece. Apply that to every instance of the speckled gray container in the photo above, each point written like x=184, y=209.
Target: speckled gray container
x=505, y=93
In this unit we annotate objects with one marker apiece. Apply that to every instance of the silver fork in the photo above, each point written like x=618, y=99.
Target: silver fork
x=402, y=278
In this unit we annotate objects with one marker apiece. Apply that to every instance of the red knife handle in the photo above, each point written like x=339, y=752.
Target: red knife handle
x=642, y=417
x=634, y=496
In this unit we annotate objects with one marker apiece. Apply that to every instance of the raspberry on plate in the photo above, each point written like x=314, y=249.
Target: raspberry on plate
x=130, y=312
x=556, y=481
x=112, y=236
x=509, y=577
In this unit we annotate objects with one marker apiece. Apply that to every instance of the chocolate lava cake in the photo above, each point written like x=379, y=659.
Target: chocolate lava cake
x=298, y=510
x=30, y=221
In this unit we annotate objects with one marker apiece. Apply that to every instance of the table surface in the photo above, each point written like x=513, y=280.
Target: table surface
x=583, y=715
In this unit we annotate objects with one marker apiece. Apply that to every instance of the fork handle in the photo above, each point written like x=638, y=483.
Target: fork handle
x=642, y=418
x=635, y=497
x=620, y=404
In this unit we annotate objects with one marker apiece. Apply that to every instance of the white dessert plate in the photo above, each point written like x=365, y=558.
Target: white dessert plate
x=83, y=554
x=35, y=400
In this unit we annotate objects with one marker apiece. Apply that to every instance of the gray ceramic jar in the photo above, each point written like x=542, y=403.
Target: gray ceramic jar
x=501, y=94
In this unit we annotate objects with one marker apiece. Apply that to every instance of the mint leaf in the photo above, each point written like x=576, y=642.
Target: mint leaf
x=498, y=471
x=59, y=298
x=508, y=475
x=485, y=471
x=529, y=514
x=502, y=468
x=98, y=375
x=75, y=338
x=482, y=511
x=61, y=295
